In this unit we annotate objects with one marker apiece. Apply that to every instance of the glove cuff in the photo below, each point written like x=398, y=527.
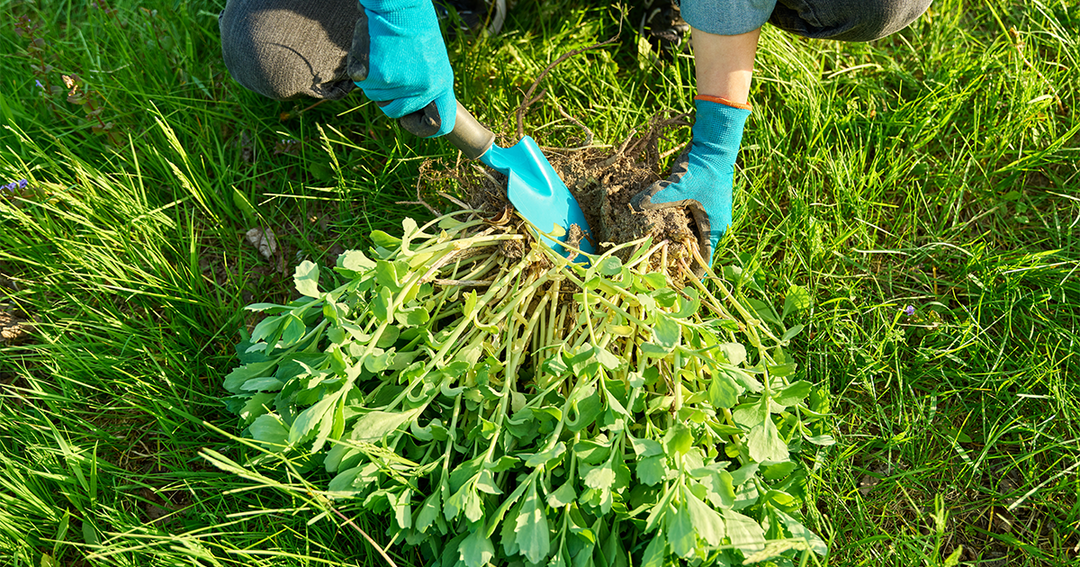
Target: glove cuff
x=718, y=129
x=386, y=6
x=724, y=101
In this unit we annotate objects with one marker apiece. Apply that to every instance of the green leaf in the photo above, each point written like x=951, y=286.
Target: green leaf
x=315, y=420
x=469, y=307
x=476, y=549
x=386, y=275
x=763, y=310
x=532, y=528
x=90, y=534
x=486, y=483
x=745, y=534
x=655, y=280
x=508, y=535
x=378, y=361
x=680, y=532
x=723, y=391
x=735, y=353
x=793, y=394
x=266, y=328
x=688, y=306
x=343, y=481
x=389, y=337
x=610, y=266
x=270, y=431
x=271, y=308
x=429, y=510
x=355, y=261
x=822, y=440
x=600, y=477
x=652, y=470
x=258, y=404
x=587, y=407
x=750, y=415
x=382, y=303
x=707, y=522
x=646, y=447
x=653, y=350
x=782, y=370
x=797, y=299
x=655, y=552
x=504, y=463
x=409, y=230
x=582, y=362
x=593, y=452
x=374, y=425
x=790, y=333
x=744, y=473
x=954, y=558
x=719, y=486
x=400, y=505
x=678, y=439
x=306, y=278
x=545, y=457
x=292, y=330
x=412, y=316
x=562, y=496
x=764, y=442
x=606, y=359
x=747, y=381
x=665, y=297
x=666, y=332
x=383, y=239
x=235, y=380
x=466, y=500
x=267, y=383
x=777, y=471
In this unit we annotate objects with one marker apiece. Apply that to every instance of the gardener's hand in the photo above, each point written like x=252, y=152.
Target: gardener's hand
x=702, y=179
x=399, y=60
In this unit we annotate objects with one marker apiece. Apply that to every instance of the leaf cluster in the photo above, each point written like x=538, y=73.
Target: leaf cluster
x=536, y=411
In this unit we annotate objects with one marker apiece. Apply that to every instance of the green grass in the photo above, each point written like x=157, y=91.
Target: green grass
x=937, y=168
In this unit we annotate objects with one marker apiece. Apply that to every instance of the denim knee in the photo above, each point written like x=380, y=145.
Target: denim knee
x=283, y=49
x=846, y=20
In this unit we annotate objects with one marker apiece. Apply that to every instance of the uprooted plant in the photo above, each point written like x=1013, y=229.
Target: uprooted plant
x=498, y=408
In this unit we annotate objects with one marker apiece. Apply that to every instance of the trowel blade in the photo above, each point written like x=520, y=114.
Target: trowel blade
x=538, y=193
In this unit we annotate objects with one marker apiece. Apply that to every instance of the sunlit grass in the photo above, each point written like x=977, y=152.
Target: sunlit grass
x=936, y=168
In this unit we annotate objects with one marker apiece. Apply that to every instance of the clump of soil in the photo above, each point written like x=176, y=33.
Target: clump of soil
x=604, y=181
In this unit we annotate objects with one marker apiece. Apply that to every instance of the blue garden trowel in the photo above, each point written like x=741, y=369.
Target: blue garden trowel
x=534, y=188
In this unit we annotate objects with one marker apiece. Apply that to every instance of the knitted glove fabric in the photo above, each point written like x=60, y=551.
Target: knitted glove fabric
x=702, y=179
x=398, y=58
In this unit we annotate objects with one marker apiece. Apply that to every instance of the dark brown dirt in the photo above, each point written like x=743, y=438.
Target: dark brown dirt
x=604, y=184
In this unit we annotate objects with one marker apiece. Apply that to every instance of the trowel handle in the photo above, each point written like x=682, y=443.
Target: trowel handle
x=470, y=136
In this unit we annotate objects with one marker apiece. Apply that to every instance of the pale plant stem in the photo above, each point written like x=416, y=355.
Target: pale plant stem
x=514, y=356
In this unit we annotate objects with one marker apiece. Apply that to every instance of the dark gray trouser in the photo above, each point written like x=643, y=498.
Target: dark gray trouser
x=286, y=48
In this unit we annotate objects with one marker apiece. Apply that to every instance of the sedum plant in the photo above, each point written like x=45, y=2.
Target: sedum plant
x=502, y=408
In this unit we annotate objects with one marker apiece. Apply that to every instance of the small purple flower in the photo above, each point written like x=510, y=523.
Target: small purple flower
x=15, y=185
x=39, y=85
x=909, y=310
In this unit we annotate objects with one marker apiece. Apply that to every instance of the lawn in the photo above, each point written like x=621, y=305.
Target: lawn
x=924, y=188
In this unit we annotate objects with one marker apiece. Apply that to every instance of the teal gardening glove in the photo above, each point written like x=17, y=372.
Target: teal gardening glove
x=399, y=60
x=702, y=179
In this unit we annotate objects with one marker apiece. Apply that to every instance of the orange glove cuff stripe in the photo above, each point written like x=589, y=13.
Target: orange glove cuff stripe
x=724, y=101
